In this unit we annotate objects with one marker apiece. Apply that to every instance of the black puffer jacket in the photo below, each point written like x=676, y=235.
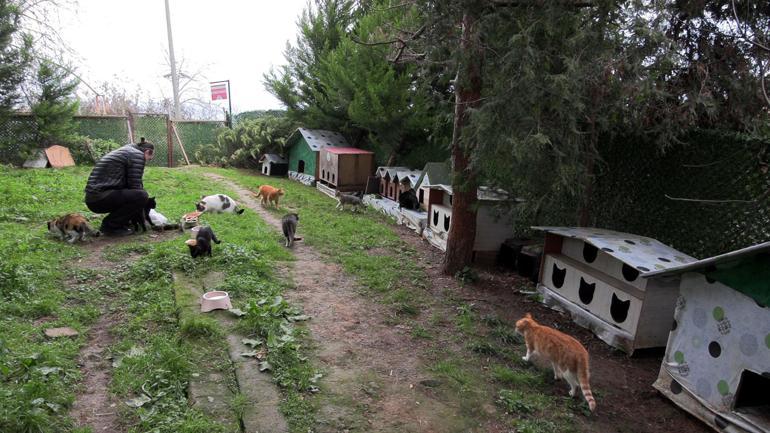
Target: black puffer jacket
x=120, y=169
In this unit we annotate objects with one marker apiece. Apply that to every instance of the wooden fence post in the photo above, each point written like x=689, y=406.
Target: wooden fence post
x=170, y=141
x=131, y=128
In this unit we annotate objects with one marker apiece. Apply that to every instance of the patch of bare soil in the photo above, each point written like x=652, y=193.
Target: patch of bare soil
x=94, y=407
x=373, y=369
x=626, y=400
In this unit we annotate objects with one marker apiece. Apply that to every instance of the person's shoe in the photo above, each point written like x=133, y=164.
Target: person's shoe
x=125, y=231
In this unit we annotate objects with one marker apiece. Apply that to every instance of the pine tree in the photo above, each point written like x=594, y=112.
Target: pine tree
x=14, y=56
x=55, y=107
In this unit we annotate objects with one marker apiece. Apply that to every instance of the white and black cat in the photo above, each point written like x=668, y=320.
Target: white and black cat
x=201, y=245
x=289, y=224
x=218, y=203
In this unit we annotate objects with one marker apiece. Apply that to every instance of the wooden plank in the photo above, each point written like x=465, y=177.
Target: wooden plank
x=59, y=156
x=179, y=140
x=169, y=142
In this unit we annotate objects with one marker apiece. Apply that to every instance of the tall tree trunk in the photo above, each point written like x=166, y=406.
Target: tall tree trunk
x=462, y=235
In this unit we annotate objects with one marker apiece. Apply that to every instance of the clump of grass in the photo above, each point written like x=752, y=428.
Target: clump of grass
x=515, y=378
x=467, y=275
x=519, y=403
x=197, y=327
x=404, y=302
x=484, y=348
x=420, y=332
x=466, y=318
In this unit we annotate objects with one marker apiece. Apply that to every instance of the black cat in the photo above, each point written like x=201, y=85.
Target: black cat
x=201, y=245
x=408, y=200
x=142, y=216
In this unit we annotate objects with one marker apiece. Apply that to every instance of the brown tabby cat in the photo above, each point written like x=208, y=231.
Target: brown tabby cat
x=269, y=194
x=72, y=227
x=567, y=356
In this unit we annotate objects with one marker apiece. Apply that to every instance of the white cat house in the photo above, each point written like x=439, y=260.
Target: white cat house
x=717, y=362
x=274, y=165
x=492, y=227
x=596, y=275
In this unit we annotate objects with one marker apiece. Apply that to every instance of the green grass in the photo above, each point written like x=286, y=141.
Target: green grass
x=157, y=349
x=363, y=243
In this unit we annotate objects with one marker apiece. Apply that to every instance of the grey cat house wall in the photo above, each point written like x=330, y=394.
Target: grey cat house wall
x=717, y=361
x=597, y=276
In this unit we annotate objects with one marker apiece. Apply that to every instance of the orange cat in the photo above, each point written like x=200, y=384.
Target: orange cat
x=567, y=356
x=269, y=194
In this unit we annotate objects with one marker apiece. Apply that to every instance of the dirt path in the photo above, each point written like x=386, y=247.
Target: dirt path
x=94, y=407
x=373, y=376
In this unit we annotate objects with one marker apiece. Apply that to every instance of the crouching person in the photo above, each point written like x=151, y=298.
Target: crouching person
x=115, y=187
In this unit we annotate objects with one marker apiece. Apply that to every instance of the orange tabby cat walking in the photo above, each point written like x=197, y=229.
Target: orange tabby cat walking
x=269, y=194
x=568, y=357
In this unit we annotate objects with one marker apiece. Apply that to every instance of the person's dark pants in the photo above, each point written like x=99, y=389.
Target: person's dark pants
x=121, y=205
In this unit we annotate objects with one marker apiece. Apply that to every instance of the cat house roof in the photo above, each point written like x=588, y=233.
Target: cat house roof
x=274, y=158
x=435, y=173
x=348, y=151
x=711, y=262
x=318, y=138
x=408, y=175
x=390, y=171
x=645, y=254
x=484, y=193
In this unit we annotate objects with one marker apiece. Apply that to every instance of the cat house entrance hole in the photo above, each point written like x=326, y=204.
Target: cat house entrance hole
x=753, y=396
x=301, y=166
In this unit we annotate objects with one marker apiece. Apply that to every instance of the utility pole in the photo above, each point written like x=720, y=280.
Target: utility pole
x=174, y=75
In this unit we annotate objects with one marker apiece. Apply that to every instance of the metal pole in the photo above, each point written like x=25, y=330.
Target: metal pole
x=174, y=75
x=230, y=103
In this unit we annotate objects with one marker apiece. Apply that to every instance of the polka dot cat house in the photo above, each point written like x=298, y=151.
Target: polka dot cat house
x=596, y=275
x=717, y=362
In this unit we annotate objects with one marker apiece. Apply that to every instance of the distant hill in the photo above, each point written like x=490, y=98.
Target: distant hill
x=256, y=114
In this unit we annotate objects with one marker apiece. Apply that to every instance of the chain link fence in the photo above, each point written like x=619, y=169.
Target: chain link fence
x=705, y=196
x=17, y=134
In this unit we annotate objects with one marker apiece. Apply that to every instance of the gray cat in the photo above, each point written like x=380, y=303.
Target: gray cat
x=289, y=224
x=348, y=199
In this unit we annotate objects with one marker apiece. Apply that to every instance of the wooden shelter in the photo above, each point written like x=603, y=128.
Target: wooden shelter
x=387, y=176
x=53, y=156
x=434, y=173
x=304, y=146
x=274, y=165
x=717, y=361
x=345, y=168
x=597, y=275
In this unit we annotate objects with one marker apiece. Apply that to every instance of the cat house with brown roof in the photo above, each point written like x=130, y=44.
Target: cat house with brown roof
x=598, y=276
x=717, y=361
x=345, y=168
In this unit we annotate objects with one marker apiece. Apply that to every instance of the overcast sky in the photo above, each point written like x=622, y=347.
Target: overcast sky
x=227, y=39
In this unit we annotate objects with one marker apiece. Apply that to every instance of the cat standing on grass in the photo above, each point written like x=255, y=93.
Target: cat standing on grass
x=71, y=227
x=348, y=199
x=201, y=245
x=269, y=194
x=218, y=203
x=289, y=225
x=567, y=356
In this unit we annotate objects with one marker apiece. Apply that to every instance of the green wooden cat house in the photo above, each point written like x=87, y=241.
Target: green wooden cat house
x=304, y=146
x=717, y=361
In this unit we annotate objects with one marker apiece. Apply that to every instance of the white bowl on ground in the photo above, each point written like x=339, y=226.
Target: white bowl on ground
x=216, y=300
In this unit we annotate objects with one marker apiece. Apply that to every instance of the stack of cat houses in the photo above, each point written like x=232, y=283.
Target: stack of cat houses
x=597, y=275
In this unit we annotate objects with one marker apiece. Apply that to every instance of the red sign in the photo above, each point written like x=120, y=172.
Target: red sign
x=218, y=91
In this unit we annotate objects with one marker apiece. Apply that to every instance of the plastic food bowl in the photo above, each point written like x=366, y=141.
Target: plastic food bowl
x=216, y=300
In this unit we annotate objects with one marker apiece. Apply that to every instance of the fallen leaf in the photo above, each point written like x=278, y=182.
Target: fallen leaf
x=138, y=401
x=298, y=318
x=252, y=354
x=237, y=312
x=48, y=370
x=264, y=366
x=251, y=342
